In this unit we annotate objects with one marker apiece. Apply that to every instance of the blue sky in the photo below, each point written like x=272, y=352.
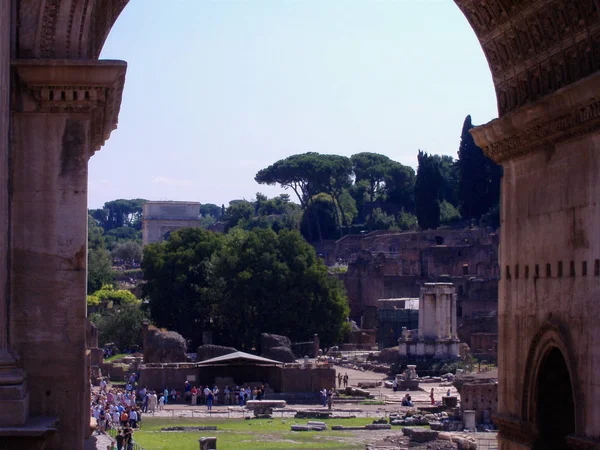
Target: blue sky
x=218, y=89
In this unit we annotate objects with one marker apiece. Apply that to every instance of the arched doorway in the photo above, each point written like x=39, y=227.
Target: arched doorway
x=555, y=406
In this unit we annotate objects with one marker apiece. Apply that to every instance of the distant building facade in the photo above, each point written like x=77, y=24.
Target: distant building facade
x=161, y=218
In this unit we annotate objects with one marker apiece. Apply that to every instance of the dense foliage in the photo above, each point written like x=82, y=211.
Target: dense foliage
x=120, y=325
x=479, y=181
x=427, y=191
x=242, y=284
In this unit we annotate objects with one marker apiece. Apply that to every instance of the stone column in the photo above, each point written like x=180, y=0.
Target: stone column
x=453, y=318
x=63, y=111
x=13, y=391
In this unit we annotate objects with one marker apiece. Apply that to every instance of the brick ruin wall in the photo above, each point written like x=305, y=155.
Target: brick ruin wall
x=395, y=265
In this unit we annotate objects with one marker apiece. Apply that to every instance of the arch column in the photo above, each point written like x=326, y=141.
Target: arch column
x=62, y=113
x=550, y=152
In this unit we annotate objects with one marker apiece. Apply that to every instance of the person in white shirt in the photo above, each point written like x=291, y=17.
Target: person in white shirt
x=227, y=392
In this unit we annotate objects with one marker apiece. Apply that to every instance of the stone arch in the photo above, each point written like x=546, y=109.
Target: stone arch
x=551, y=351
x=533, y=48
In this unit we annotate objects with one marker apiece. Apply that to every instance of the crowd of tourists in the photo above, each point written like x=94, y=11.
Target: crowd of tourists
x=120, y=409
x=234, y=395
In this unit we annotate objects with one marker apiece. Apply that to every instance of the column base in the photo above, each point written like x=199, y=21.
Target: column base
x=32, y=436
x=14, y=399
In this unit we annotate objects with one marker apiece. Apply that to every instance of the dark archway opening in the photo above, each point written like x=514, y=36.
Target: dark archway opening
x=554, y=403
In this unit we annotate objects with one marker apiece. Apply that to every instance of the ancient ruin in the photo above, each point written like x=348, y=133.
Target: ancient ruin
x=161, y=218
x=59, y=104
x=436, y=336
x=386, y=268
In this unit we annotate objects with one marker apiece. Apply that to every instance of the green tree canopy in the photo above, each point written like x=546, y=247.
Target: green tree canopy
x=99, y=268
x=178, y=285
x=400, y=185
x=120, y=213
x=242, y=284
x=121, y=325
x=309, y=174
x=275, y=283
x=111, y=297
x=130, y=252
x=210, y=209
x=427, y=189
x=479, y=177
x=371, y=168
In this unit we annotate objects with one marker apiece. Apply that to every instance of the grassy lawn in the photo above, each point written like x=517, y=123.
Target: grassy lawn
x=255, y=434
x=115, y=357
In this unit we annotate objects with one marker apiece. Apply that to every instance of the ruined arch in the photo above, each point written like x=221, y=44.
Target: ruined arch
x=552, y=399
x=533, y=48
x=544, y=57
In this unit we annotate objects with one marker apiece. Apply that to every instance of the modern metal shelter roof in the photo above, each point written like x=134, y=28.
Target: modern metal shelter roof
x=239, y=358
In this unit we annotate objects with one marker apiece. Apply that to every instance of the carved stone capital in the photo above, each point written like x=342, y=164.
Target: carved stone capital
x=94, y=88
x=564, y=115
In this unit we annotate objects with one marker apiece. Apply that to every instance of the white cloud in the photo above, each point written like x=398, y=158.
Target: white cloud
x=166, y=181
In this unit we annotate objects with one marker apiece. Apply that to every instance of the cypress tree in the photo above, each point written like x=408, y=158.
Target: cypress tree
x=427, y=190
x=479, y=177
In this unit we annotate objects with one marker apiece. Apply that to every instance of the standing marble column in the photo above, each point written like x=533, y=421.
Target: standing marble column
x=63, y=113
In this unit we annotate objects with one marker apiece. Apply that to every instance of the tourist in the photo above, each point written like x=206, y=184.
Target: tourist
x=188, y=391
x=116, y=417
x=339, y=377
x=215, y=392
x=161, y=403
x=254, y=393
x=209, y=399
x=194, y=392
x=133, y=418
x=153, y=402
x=128, y=439
x=407, y=400
x=173, y=395
x=227, y=393
x=241, y=395
x=120, y=438
x=432, y=397
x=330, y=398
x=395, y=385
x=324, y=397
x=247, y=394
x=345, y=380
x=102, y=421
x=166, y=394
x=124, y=418
x=263, y=392
x=146, y=401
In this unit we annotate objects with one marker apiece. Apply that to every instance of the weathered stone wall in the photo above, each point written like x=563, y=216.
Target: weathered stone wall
x=471, y=266
x=480, y=397
x=161, y=376
x=307, y=380
x=551, y=221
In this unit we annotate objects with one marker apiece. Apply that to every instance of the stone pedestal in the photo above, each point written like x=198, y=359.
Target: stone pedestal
x=208, y=443
x=469, y=420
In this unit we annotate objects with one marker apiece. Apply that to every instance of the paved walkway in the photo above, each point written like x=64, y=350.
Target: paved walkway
x=98, y=442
